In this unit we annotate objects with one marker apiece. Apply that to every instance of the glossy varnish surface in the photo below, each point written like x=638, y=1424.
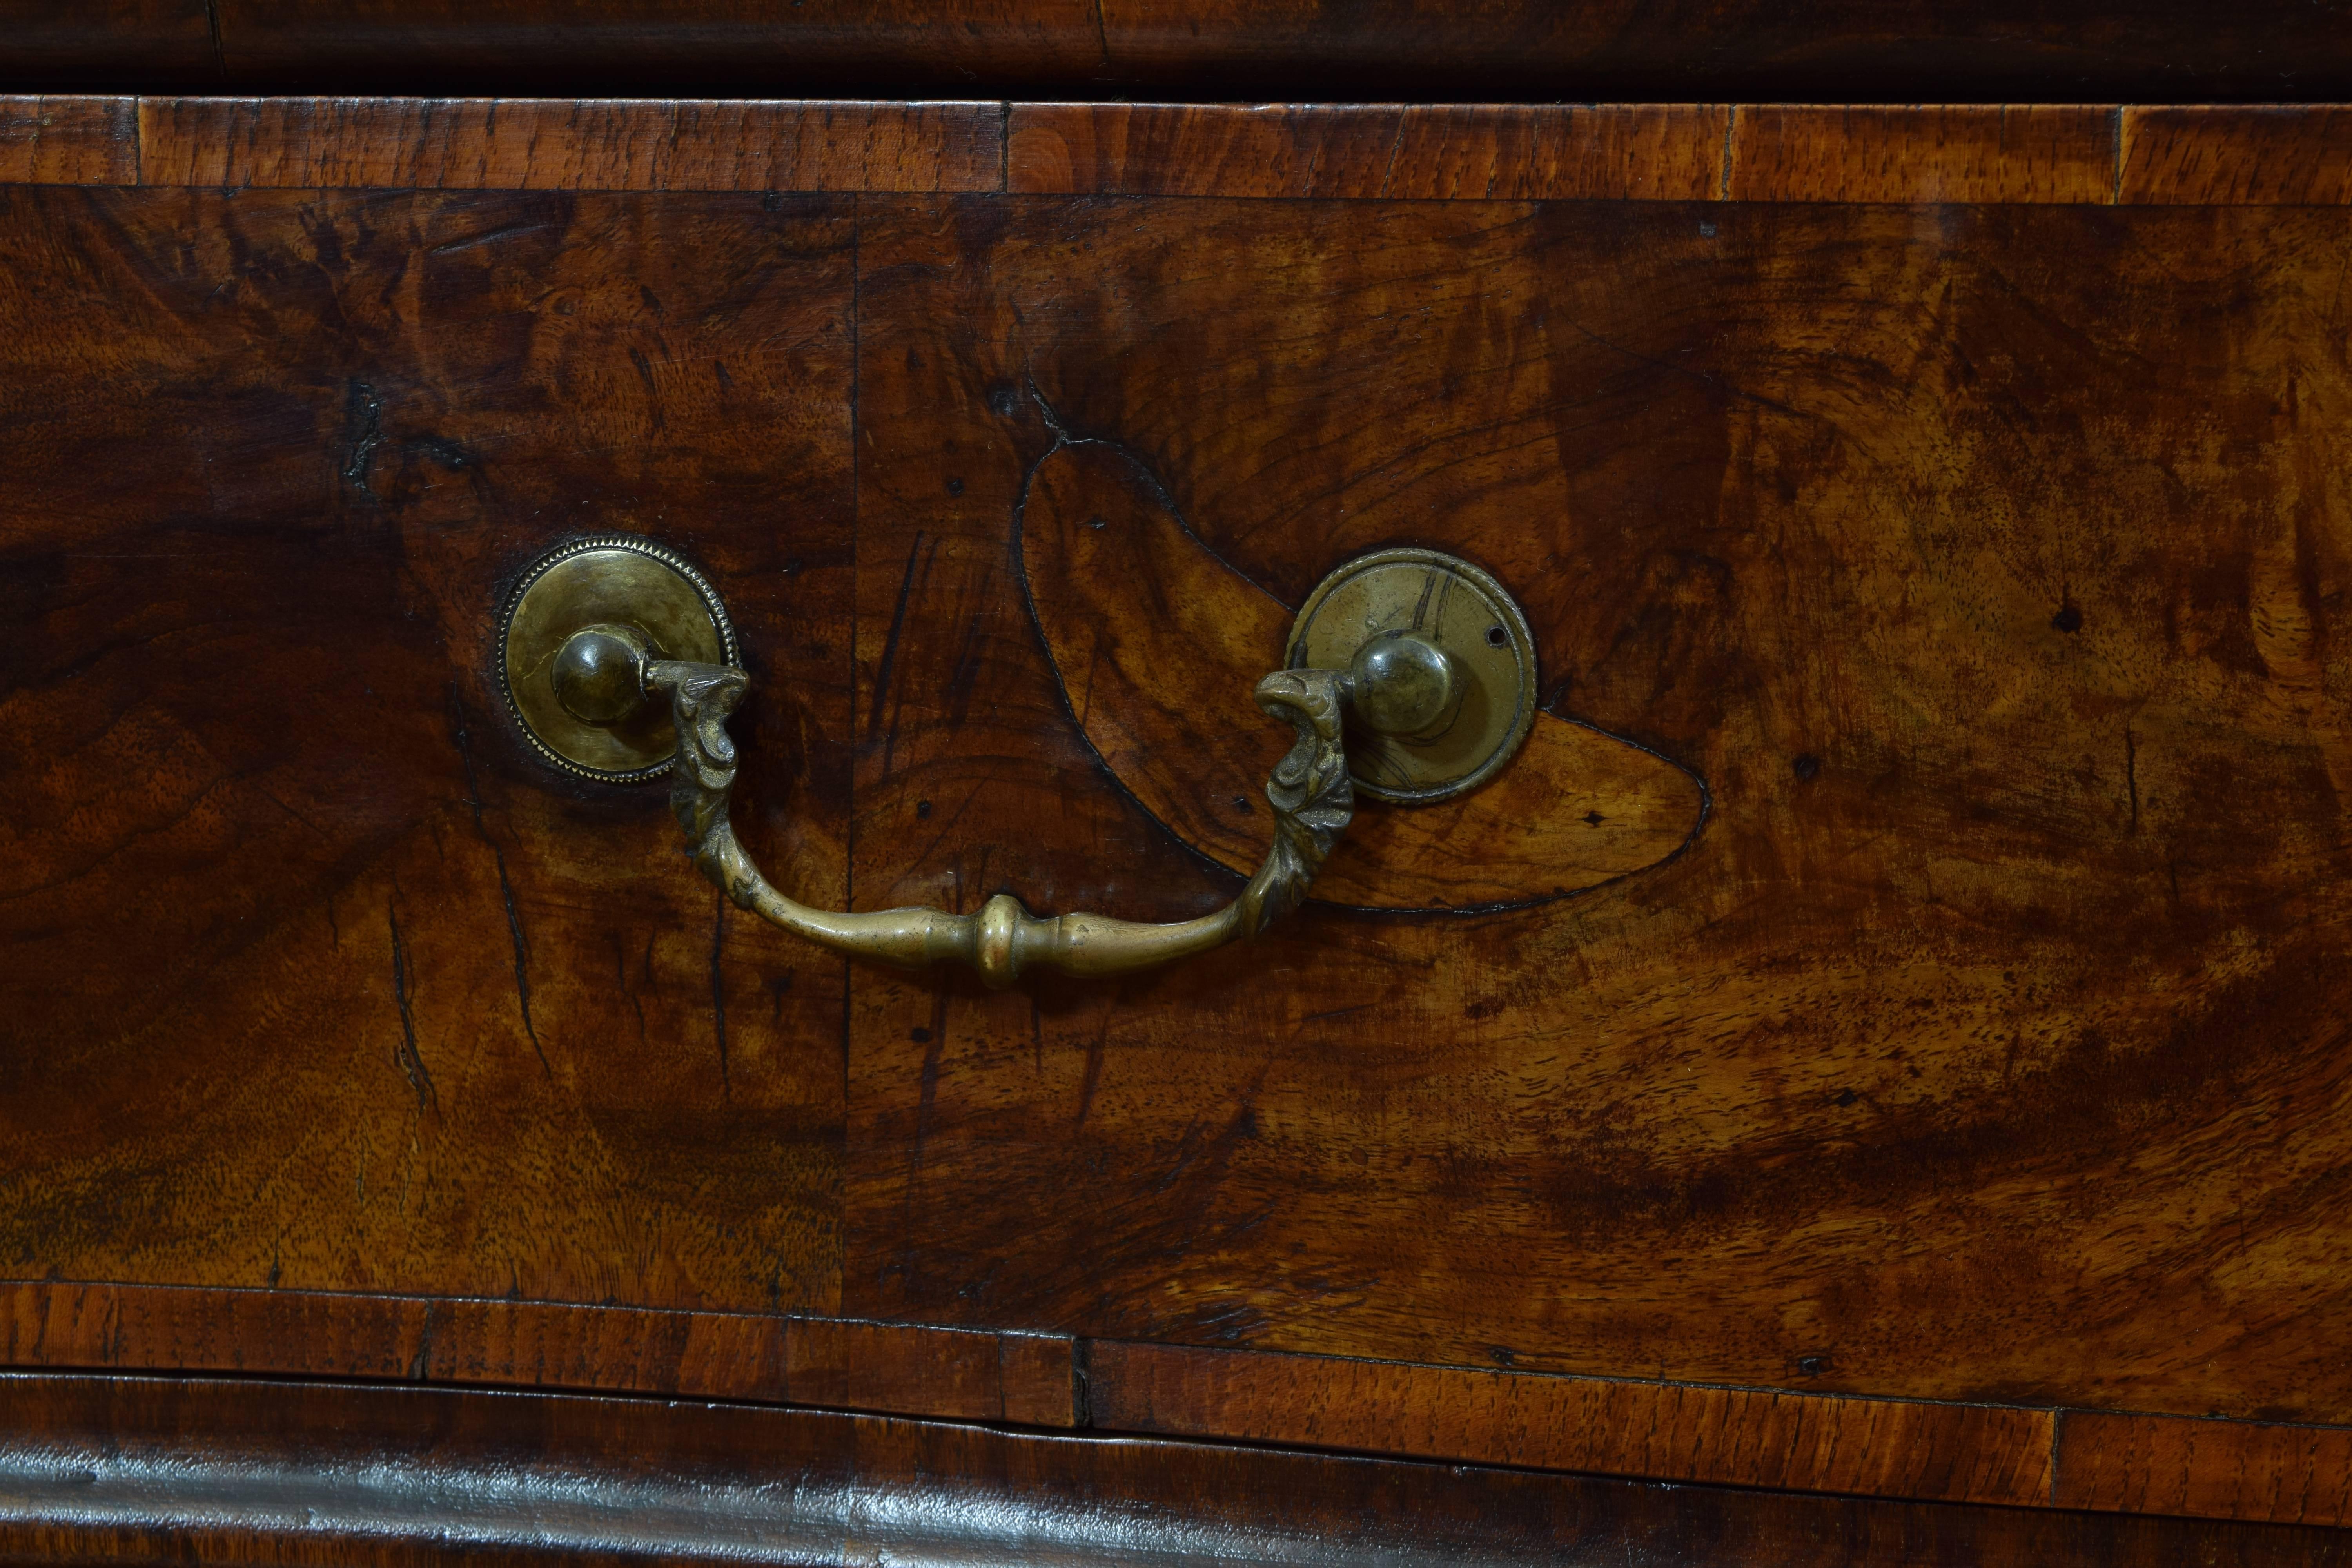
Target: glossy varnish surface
x=1975, y=1048
x=1982, y=561
x=286, y=890
x=567, y=144
x=2010, y=1455
x=958, y=1374
x=207, y=1470
x=2071, y=154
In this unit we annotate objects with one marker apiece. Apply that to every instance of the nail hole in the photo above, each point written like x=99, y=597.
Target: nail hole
x=1497, y=637
x=922, y=808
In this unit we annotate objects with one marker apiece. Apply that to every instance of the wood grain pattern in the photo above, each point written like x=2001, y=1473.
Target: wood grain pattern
x=1620, y=152
x=311, y=1333
x=1987, y=1045
x=1734, y=1436
x=208, y=1471
x=570, y=144
x=553, y=1346
x=1146, y=627
x=955, y=1375
x=1417, y=152
x=68, y=141
x=318, y=980
x=894, y=1366
x=2205, y=156
x=1037, y=1380
x=1755, y=1438
x=2209, y=155
x=1922, y=153
x=56, y=1324
x=1769, y=152
x=2212, y=1469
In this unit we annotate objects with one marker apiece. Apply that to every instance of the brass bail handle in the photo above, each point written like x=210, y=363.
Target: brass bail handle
x=590, y=699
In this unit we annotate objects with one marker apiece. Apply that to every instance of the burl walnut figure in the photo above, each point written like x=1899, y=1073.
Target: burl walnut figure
x=1876, y=1031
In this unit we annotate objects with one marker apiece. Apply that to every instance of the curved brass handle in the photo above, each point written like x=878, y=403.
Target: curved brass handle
x=1309, y=790
x=586, y=646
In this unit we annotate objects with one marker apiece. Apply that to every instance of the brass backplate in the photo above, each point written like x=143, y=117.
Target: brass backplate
x=610, y=579
x=1446, y=601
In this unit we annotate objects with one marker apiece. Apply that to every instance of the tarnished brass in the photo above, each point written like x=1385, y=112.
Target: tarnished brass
x=573, y=641
x=599, y=674
x=1406, y=686
x=1443, y=667
x=619, y=660
x=1308, y=792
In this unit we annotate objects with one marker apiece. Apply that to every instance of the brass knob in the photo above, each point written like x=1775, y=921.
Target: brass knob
x=599, y=674
x=1404, y=686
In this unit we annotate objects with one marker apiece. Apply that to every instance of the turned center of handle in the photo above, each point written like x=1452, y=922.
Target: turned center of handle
x=600, y=674
x=1404, y=686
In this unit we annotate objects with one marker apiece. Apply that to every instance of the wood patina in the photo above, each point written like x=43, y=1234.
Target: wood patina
x=1927, y=1084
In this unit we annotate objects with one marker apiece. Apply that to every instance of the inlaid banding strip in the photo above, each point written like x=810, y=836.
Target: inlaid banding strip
x=2094, y=154
x=2011, y=1455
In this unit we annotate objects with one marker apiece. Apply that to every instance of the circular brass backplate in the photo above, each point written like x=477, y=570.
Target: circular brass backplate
x=611, y=580
x=1446, y=601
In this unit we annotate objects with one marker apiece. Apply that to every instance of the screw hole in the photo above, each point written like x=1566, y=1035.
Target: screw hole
x=1497, y=637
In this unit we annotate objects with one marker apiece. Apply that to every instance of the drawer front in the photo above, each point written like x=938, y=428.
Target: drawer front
x=1928, y=1039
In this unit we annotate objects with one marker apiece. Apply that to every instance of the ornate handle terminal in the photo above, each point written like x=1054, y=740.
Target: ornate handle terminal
x=1309, y=790
x=600, y=635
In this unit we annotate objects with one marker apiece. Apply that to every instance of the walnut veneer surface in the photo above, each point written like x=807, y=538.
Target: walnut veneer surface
x=1951, y=497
